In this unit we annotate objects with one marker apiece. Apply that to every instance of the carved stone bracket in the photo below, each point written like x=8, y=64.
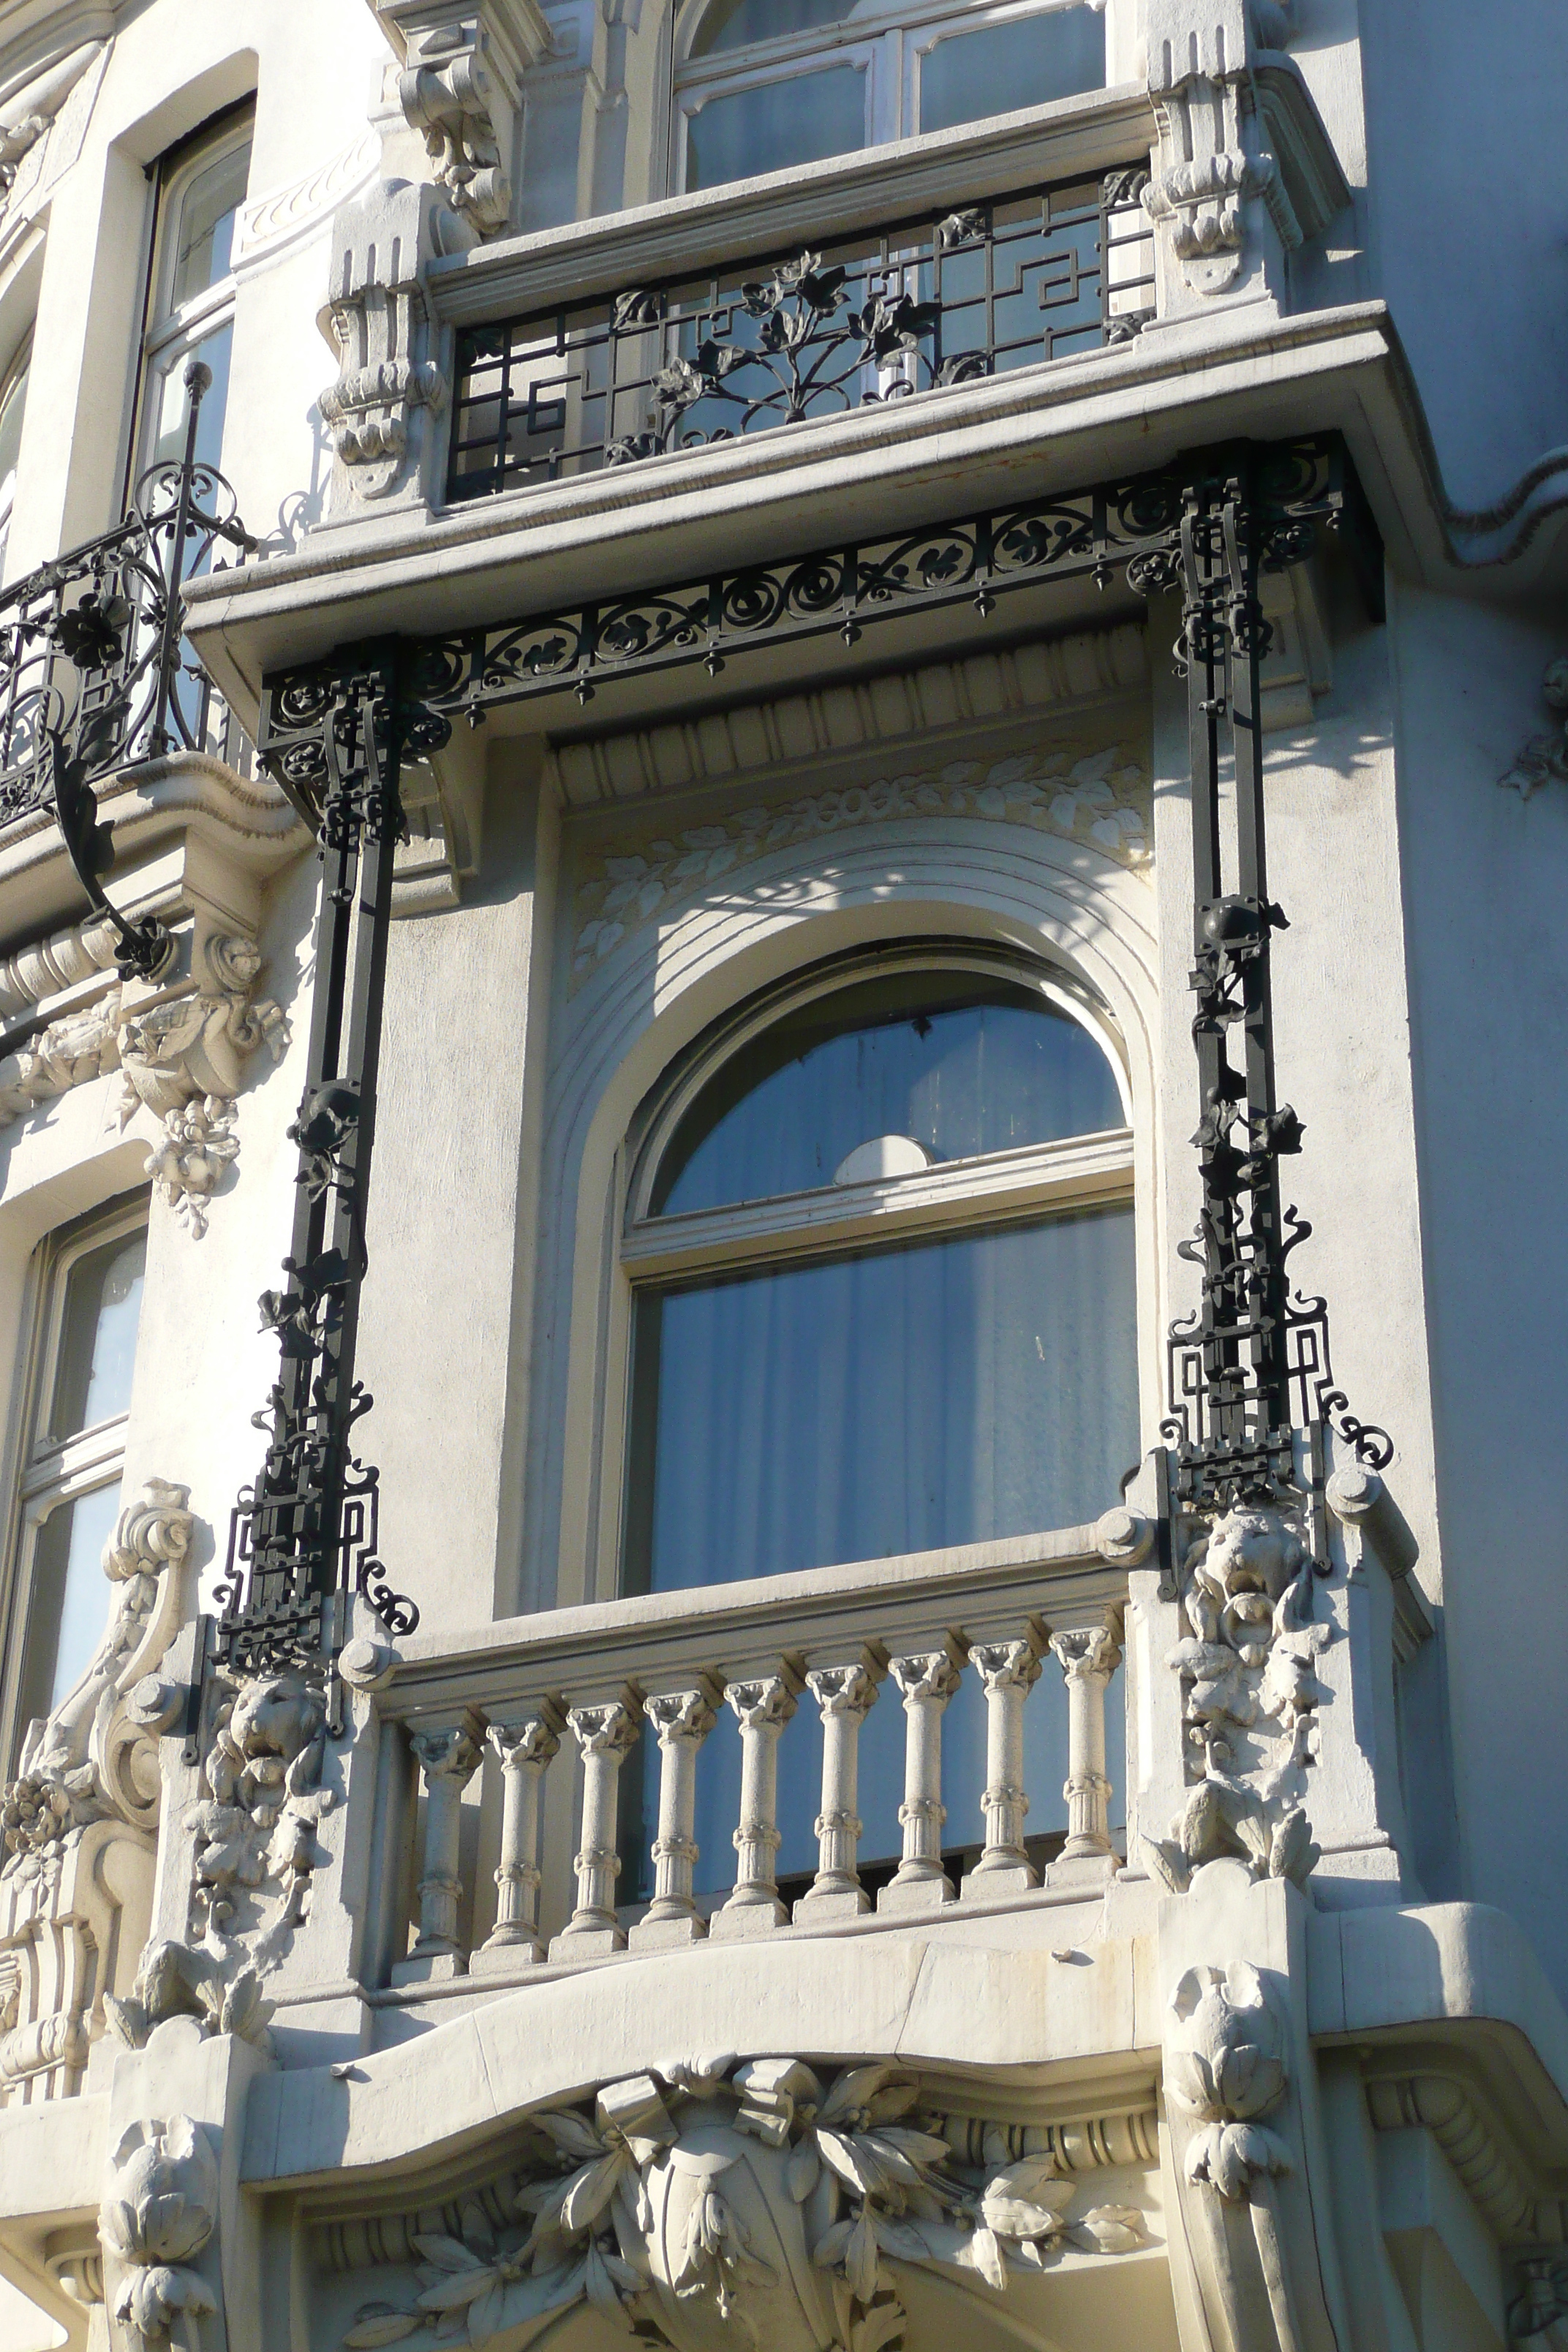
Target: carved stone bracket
x=158, y=2213
x=1544, y=757
x=462, y=61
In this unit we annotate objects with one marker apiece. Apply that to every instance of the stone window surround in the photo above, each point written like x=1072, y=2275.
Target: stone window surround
x=716, y=952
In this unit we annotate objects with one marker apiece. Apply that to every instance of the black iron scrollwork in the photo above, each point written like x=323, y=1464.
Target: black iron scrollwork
x=1252, y=1361
x=305, y=1532
x=94, y=673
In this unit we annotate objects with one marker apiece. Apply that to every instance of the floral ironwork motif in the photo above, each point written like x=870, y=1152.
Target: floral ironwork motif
x=94, y=674
x=753, y=2195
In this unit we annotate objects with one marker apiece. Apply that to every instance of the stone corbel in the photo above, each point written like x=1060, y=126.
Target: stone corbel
x=182, y=1059
x=392, y=381
x=1244, y=170
x=460, y=63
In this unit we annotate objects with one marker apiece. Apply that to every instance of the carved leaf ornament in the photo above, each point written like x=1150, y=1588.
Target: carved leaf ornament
x=719, y=2203
x=1224, y=2068
x=159, y=2211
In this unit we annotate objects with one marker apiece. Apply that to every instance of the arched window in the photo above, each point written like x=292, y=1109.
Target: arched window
x=763, y=84
x=880, y=1246
x=190, y=311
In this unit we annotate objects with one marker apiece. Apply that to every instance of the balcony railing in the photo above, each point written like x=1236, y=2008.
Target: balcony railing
x=783, y=337
x=707, y=1731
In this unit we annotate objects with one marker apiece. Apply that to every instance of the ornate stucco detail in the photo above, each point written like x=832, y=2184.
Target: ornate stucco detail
x=459, y=87
x=78, y=1766
x=274, y=220
x=1225, y=2069
x=1098, y=796
x=755, y=2200
x=1250, y=1692
x=30, y=114
x=183, y=1059
x=1544, y=757
x=390, y=383
x=158, y=2213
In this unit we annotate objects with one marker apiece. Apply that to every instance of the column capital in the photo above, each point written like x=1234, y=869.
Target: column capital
x=520, y=1745
x=928, y=1678
x=1086, y=1650
x=450, y=1753
x=610, y=1729
x=764, y=1703
x=682, y=1718
x=1008, y=1666
x=843, y=1690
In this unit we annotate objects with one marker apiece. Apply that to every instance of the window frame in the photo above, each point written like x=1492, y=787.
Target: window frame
x=948, y=1200
x=19, y=364
x=53, y=1472
x=893, y=39
x=169, y=333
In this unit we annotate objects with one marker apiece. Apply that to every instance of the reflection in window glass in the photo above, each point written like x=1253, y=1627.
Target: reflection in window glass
x=997, y=67
x=960, y=1063
x=97, y=1336
x=734, y=23
x=775, y=123
x=67, y=1603
x=203, y=243
x=171, y=395
x=904, y=1398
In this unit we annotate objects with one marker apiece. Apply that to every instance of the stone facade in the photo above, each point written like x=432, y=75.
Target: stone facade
x=1137, y=1930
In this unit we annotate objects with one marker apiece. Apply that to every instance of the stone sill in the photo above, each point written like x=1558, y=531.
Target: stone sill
x=1073, y=138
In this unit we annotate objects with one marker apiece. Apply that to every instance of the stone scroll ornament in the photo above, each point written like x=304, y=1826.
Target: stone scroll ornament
x=254, y=1851
x=184, y=1060
x=718, y=2204
x=1250, y=1692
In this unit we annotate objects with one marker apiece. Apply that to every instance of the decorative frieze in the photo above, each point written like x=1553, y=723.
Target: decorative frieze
x=761, y=2200
x=1099, y=796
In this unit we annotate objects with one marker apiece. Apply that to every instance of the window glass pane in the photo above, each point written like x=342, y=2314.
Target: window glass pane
x=897, y=1400
x=998, y=67
x=97, y=1337
x=68, y=1602
x=959, y=1063
x=13, y=405
x=204, y=240
x=774, y=124
x=169, y=396
x=734, y=23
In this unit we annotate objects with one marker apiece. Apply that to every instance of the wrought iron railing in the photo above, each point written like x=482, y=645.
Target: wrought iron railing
x=95, y=673
x=781, y=337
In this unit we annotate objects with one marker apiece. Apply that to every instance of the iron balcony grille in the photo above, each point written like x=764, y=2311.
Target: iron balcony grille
x=885, y=314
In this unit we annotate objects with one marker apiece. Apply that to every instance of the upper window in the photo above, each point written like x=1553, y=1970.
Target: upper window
x=89, y=1312
x=765, y=84
x=13, y=407
x=190, y=311
x=883, y=1281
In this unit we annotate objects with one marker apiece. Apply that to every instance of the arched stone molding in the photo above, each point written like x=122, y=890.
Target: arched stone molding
x=989, y=882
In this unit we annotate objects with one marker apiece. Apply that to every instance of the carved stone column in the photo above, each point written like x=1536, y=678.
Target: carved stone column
x=761, y=1708
x=1089, y=1655
x=682, y=1720
x=447, y=1759
x=928, y=1681
x=1009, y=1671
x=525, y=1750
x=605, y=1735
x=843, y=1693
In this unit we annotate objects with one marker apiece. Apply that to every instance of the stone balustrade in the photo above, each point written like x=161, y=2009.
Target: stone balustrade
x=631, y=1742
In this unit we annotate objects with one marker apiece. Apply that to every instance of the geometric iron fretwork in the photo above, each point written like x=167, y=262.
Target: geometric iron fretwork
x=1252, y=1362
x=784, y=337
x=305, y=1531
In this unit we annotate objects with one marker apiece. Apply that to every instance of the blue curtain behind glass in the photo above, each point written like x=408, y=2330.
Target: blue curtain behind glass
x=897, y=1400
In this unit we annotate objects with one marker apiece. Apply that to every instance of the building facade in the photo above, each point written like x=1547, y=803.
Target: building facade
x=802, y=764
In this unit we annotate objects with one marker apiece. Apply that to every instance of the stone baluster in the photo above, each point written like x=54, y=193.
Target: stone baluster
x=1009, y=1671
x=843, y=1693
x=447, y=1759
x=605, y=1735
x=928, y=1680
x=525, y=1750
x=761, y=1708
x=682, y=1720
x=1089, y=1655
